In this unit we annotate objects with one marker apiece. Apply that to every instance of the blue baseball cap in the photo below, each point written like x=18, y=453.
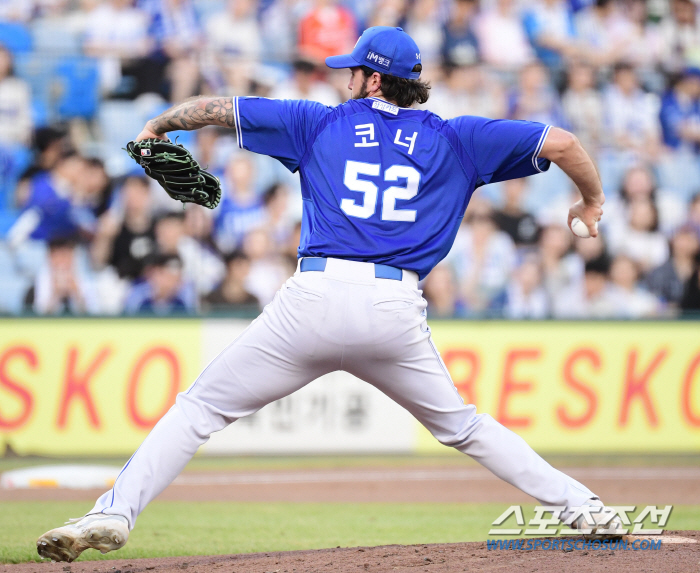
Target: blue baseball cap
x=383, y=49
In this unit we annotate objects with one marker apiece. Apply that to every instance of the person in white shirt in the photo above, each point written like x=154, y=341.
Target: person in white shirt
x=15, y=105
x=502, y=40
x=526, y=296
x=680, y=36
x=62, y=285
x=631, y=115
x=593, y=297
x=233, y=46
x=117, y=34
x=582, y=104
x=638, y=303
x=640, y=239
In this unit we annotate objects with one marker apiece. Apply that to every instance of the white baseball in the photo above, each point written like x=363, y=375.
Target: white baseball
x=579, y=228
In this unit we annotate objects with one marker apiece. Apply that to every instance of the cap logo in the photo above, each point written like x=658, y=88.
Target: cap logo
x=379, y=60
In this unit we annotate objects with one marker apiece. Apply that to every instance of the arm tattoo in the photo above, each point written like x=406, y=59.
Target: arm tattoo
x=195, y=113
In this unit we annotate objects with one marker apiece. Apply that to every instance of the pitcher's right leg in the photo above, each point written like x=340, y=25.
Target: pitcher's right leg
x=416, y=378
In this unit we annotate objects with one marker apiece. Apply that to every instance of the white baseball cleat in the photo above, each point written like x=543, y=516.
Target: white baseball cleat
x=97, y=531
x=598, y=522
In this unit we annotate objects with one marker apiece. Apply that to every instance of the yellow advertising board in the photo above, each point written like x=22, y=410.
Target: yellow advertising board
x=580, y=387
x=91, y=387
x=96, y=387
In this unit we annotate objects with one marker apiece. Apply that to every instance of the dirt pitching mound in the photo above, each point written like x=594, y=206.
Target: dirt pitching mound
x=678, y=553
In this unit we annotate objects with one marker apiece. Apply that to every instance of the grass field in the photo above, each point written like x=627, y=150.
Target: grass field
x=195, y=528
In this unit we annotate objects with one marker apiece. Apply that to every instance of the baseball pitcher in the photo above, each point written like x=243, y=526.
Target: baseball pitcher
x=384, y=187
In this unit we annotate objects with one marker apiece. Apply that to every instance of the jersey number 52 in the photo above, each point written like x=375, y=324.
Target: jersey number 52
x=353, y=169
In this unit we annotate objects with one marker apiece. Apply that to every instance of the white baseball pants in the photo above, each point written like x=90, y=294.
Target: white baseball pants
x=340, y=319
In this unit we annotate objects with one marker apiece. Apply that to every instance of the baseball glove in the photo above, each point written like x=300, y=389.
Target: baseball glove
x=174, y=168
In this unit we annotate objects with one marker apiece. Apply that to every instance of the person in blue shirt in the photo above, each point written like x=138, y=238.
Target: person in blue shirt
x=53, y=209
x=241, y=208
x=385, y=187
x=680, y=112
x=163, y=291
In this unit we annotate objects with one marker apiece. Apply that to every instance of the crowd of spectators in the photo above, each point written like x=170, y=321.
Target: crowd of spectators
x=82, y=231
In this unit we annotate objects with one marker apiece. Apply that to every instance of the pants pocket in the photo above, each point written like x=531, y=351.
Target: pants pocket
x=303, y=294
x=393, y=304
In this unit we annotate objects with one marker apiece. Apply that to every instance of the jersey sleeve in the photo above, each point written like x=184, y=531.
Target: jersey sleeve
x=278, y=128
x=502, y=149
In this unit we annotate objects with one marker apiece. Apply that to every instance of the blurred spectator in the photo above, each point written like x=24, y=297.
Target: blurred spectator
x=54, y=209
x=668, y=280
x=632, y=115
x=550, y=27
x=125, y=235
x=641, y=240
x=639, y=184
x=603, y=31
x=460, y=47
x=234, y=32
x=175, y=27
x=15, y=104
x=117, y=34
x=638, y=303
x=562, y=269
x=680, y=34
x=596, y=297
x=388, y=13
x=326, y=30
x=232, y=291
x=680, y=113
x=691, y=294
x=468, y=90
x=278, y=30
x=502, y=40
x=424, y=25
x=306, y=83
x=268, y=271
x=277, y=222
x=94, y=187
x=200, y=265
x=50, y=145
x=694, y=213
x=583, y=106
x=16, y=10
x=534, y=98
x=643, y=44
x=513, y=219
x=483, y=258
x=441, y=291
x=592, y=248
x=241, y=208
x=526, y=296
x=163, y=292
x=61, y=287
x=233, y=45
x=291, y=248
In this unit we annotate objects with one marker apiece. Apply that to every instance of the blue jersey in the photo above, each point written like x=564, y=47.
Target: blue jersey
x=385, y=184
